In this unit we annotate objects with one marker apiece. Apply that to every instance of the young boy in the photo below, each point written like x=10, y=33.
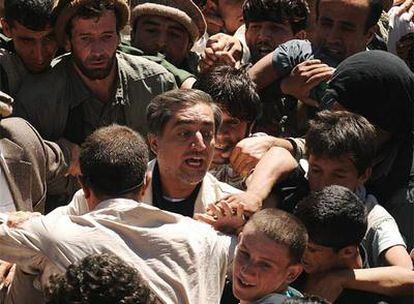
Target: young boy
x=340, y=149
x=268, y=257
x=336, y=221
x=234, y=92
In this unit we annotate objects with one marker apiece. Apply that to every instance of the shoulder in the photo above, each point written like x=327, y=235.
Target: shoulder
x=138, y=67
x=224, y=188
x=46, y=83
x=16, y=128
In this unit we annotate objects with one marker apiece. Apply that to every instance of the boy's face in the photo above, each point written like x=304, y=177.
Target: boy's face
x=154, y=34
x=319, y=258
x=35, y=48
x=262, y=37
x=261, y=266
x=232, y=130
x=341, y=171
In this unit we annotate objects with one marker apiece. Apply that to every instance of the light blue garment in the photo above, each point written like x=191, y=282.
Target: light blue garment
x=278, y=298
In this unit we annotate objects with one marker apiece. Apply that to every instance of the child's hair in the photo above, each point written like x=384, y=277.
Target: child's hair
x=334, y=217
x=334, y=134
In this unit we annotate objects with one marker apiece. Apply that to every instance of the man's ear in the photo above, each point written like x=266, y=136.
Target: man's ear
x=362, y=179
x=6, y=27
x=153, y=142
x=301, y=34
x=293, y=272
x=147, y=182
x=86, y=190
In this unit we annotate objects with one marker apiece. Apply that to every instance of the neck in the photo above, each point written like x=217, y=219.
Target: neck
x=172, y=187
x=102, y=88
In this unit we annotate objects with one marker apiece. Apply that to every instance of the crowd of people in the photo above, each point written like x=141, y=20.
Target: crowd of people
x=216, y=151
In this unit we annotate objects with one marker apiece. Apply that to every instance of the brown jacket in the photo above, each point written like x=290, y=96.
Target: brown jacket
x=31, y=165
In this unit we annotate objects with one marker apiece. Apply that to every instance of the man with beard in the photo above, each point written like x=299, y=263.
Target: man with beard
x=235, y=94
x=170, y=28
x=94, y=85
x=182, y=128
x=267, y=24
x=343, y=28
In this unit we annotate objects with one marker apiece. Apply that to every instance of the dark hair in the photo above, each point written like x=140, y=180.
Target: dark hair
x=282, y=228
x=163, y=107
x=334, y=217
x=113, y=161
x=36, y=15
x=307, y=299
x=375, y=10
x=95, y=9
x=334, y=134
x=294, y=12
x=99, y=279
x=233, y=91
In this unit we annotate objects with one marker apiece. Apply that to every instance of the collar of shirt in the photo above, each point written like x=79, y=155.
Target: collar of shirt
x=82, y=93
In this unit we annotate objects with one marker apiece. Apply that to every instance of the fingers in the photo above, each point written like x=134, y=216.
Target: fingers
x=317, y=78
x=4, y=271
x=405, y=7
x=10, y=276
x=202, y=217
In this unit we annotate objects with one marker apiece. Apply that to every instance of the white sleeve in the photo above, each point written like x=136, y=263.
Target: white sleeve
x=383, y=232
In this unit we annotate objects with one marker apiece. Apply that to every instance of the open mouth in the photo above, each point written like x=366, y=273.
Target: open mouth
x=244, y=283
x=195, y=162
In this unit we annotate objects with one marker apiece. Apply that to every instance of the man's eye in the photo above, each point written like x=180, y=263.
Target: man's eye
x=208, y=135
x=264, y=265
x=184, y=134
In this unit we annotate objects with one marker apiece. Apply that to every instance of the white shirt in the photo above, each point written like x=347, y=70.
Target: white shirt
x=183, y=260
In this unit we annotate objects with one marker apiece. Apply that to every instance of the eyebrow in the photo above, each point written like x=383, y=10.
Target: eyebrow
x=156, y=23
x=181, y=122
x=103, y=33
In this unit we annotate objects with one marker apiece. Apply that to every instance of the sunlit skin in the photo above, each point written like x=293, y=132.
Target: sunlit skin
x=232, y=14
x=264, y=36
x=259, y=270
x=341, y=171
x=232, y=130
x=35, y=48
x=319, y=258
x=185, y=149
x=154, y=34
x=341, y=27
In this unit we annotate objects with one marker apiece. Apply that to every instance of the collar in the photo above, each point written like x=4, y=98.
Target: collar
x=82, y=93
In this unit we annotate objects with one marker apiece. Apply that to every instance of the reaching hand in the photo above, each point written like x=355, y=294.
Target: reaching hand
x=248, y=152
x=6, y=102
x=223, y=217
x=7, y=271
x=304, y=77
x=221, y=49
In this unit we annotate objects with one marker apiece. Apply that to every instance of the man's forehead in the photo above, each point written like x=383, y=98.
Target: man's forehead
x=345, y=4
x=161, y=21
x=104, y=22
x=193, y=114
x=21, y=29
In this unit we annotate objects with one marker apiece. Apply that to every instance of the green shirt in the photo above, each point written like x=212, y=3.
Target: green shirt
x=58, y=104
x=180, y=75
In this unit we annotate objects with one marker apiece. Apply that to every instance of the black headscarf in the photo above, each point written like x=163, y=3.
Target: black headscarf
x=380, y=87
